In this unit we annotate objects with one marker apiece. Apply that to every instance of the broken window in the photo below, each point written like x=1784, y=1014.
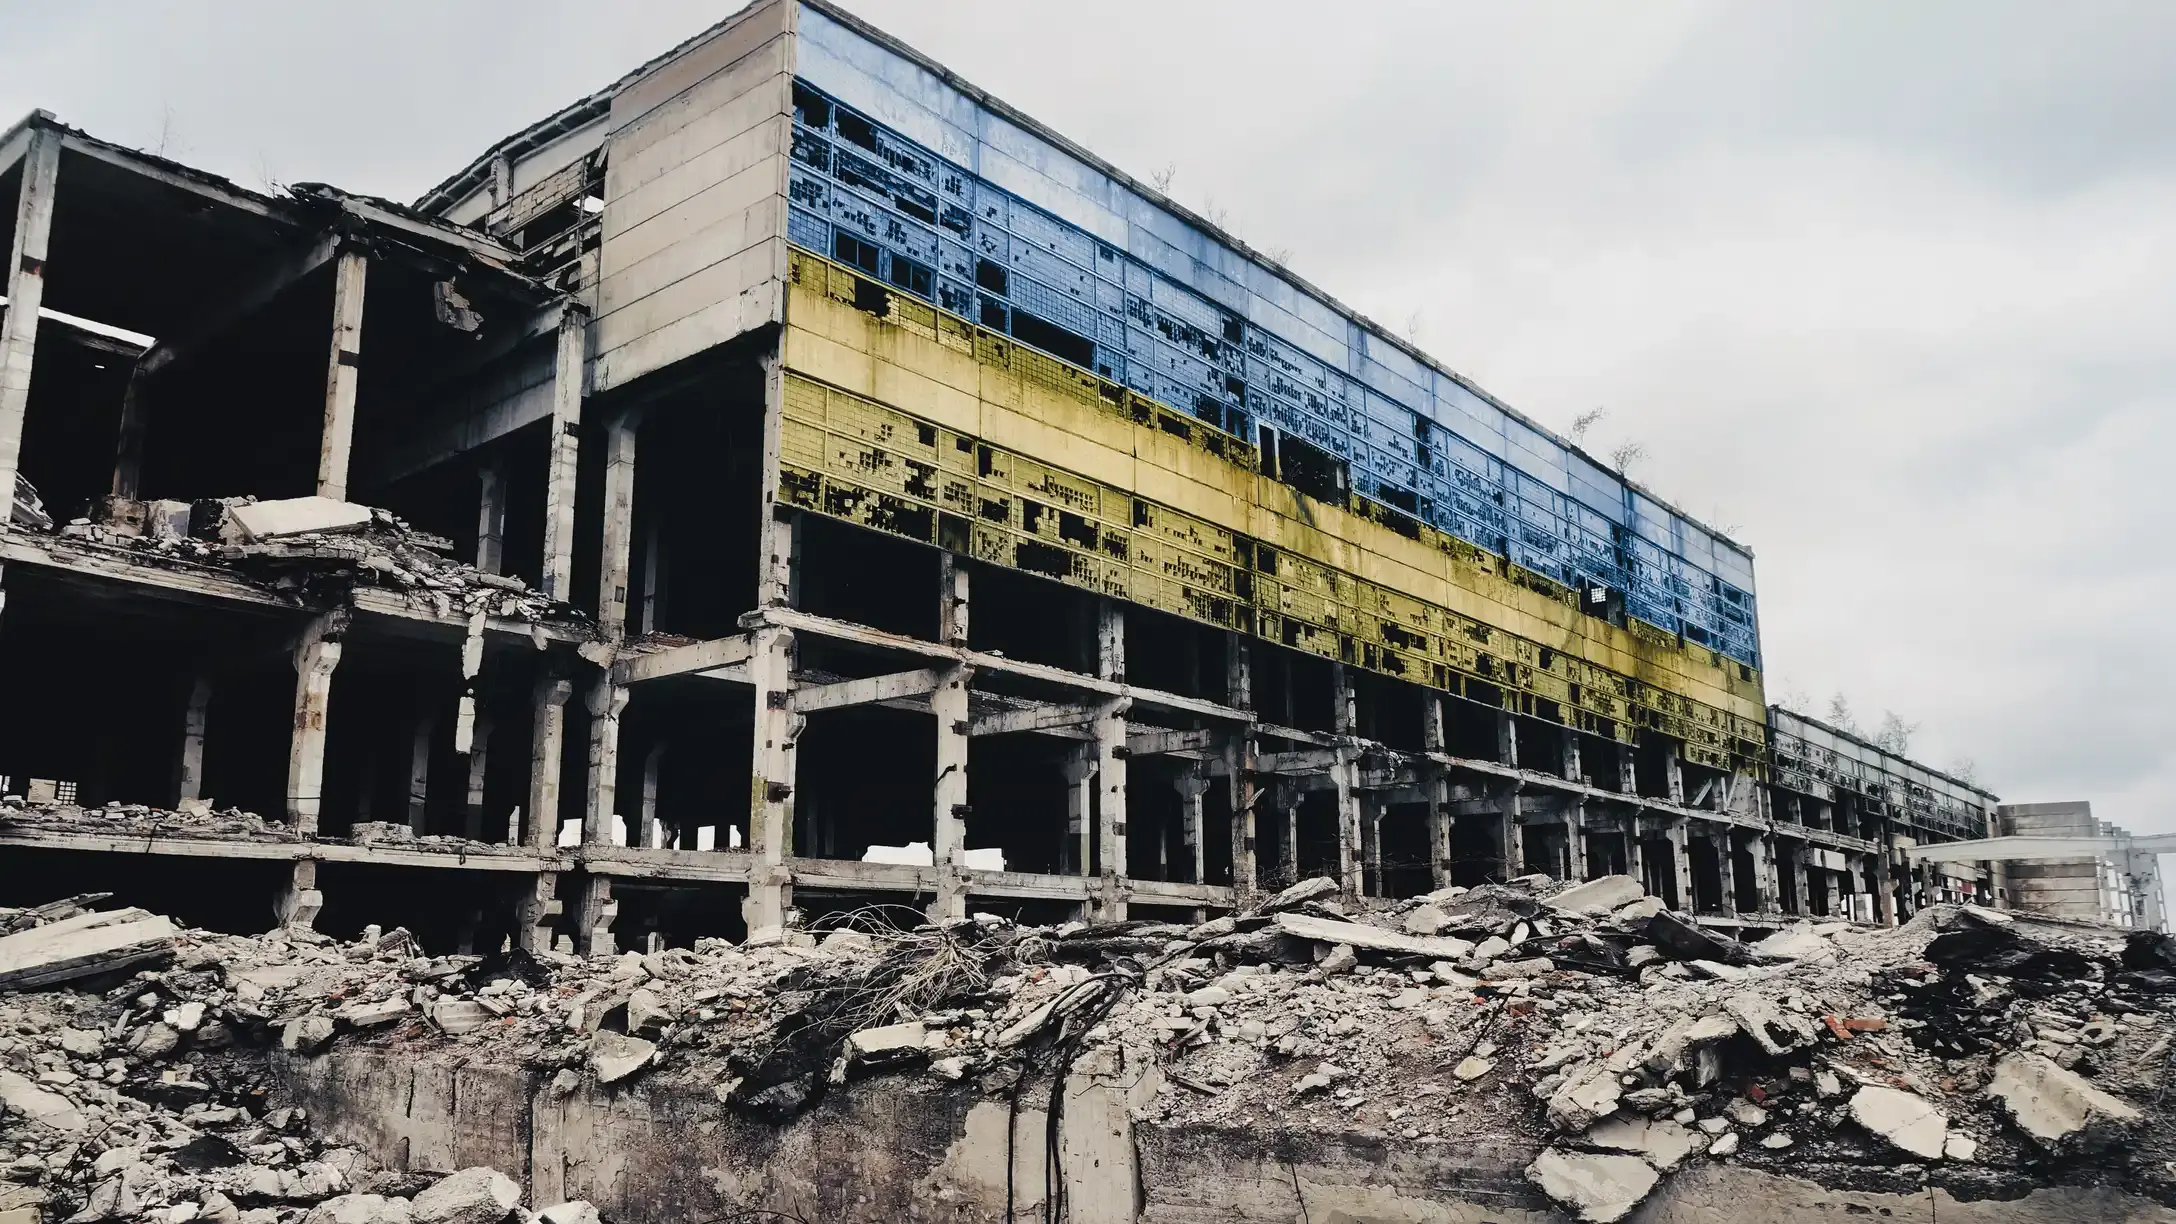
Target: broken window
x=856, y=253
x=1053, y=339
x=810, y=107
x=990, y=276
x=1314, y=471
x=911, y=276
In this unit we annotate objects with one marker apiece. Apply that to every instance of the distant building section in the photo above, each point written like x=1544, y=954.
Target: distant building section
x=2119, y=888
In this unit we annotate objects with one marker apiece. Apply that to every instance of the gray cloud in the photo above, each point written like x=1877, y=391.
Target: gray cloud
x=1884, y=288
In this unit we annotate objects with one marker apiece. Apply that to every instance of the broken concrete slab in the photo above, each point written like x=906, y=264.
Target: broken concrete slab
x=2057, y=1109
x=580, y=1211
x=1588, y=1094
x=1601, y=1188
x=1795, y=943
x=267, y=520
x=1778, y=1031
x=1359, y=935
x=371, y=1015
x=890, y=1040
x=1662, y=1142
x=26, y=1099
x=1300, y=894
x=615, y=1057
x=360, y=1209
x=1681, y=939
x=479, y=1195
x=1425, y=921
x=306, y=1035
x=87, y=944
x=1907, y=1122
x=1598, y=895
x=458, y=1016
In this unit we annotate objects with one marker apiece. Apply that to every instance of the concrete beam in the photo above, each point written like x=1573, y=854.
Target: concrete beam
x=277, y=277
x=1032, y=718
x=871, y=689
x=1162, y=743
x=721, y=658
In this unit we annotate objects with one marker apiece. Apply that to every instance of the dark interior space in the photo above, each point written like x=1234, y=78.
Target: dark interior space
x=73, y=418
x=1016, y=792
x=1174, y=654
x=1470, y=729
x=444, y=908
x=1407, y=867
x=853, y=574
x=855, y=782
x=696, y=538
x=1034, y=620
x=1707, y=880
x=679, y=913
x=1477, y=855
x=233, y=895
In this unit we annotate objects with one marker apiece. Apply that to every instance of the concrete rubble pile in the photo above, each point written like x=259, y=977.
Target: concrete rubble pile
x=1622, y=1040
x=321, y=547
x=192, y=819
x=131, y=1089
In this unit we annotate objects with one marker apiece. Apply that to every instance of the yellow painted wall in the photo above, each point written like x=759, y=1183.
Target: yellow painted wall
x=922, y=424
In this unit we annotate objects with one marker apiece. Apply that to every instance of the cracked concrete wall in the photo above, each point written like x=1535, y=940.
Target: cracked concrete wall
x=910, y=1150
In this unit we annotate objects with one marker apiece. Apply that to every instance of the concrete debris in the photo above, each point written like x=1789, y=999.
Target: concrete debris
x=265, y=520
x=1598, y=896
x=360, y=1209
x=82, y=946
x=2058, y=1109
x=479, y=1195
x=26, y=509
x=580, y=1211
x=1906, y=1121
x=1530, y=1022
x=1600, y=1188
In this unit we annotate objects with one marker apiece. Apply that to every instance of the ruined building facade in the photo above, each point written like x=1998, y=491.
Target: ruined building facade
x=831, y=456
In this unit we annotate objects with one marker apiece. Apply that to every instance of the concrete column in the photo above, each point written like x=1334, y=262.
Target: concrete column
x=1575, y=838
x=770, y=809
x=606, y=702
x=1109, y=732
x=1239, y=760
x=195, y=717
x=479, y=758
x=1507, y=739
x=419, y=769
x=316, y=654
x=953, y=604
x=563, y=452
x=1878, y=878
x=1673, y=773
x=26, y=293
x=536, y=909
x=652, y=765
x=299, y=901
x=1635, y=854
x=343, y=367
x=491, y=517
x=1288, y=808
x=1679, y=835
x=594, y=916
x=1726, y=866
x=1193, y=785
x=1351, y=853
x=1628, y=775
x=778, y=552
x=949, y=818
x=128, y=449
x=548, y=732
x=1513, y=843
x=1080, y=772
x=1434, y=738
x=618, y=539
x=1763, y=847
x=1574, y=767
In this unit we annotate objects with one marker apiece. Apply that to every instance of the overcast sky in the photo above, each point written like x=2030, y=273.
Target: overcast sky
x=1887, y=291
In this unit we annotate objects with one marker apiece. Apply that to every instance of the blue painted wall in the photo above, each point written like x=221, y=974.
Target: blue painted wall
x=898, y=172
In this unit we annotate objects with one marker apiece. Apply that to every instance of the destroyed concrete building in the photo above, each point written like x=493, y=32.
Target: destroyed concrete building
x=789, y=450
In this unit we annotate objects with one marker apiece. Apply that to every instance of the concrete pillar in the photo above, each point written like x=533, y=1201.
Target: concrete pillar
x=548, y=732
x=1763, y=847
x=1673, y=773
x=299, y=901
x=1574, y=767
x=1507, y=739
x=618, y=536
x=1726, y=866
x=1679, y=835
x=1513, y=842
x=1879, y=879
x=1434, y=738
x=195, y=717
x=533, y=916
x=1193, y=785
x=316, y=654
x=563, y=451
x=770, y=809
x=1075, y=856
x=419, y=768
x=606, y=702
x=1628, y=774
x=1239, y=761
x=491, y=516
x=343, y=367
x=949, y=817
x=1109, y=732
x=1351, y=852
x=1288, y=808
x=479, y=758
x=128, y=449
x=26, y=293
x=1635, y=854
x=1575, y=838
x=652, y=766
x=778, y=551
x=953, y=602
x=594, y=916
